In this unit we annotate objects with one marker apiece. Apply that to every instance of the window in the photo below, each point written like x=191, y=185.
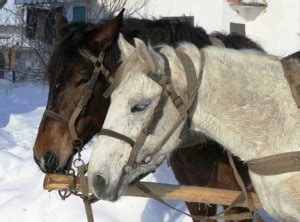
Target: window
x=78, y=13
x=237, y=28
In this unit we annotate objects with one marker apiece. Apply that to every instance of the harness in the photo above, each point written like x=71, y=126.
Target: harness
x=77, y=143
x=70, y=124
x=164, y=80
x=185, y=109
x=271, y=165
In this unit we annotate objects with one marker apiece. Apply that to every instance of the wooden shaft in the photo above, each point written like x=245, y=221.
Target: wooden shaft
x=165, y=191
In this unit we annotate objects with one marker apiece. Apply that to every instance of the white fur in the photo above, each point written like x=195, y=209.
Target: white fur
x=244, y=103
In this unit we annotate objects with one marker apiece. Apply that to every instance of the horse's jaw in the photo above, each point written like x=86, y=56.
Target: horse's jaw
x=112, y=194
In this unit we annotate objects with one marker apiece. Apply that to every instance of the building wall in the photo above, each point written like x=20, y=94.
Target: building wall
x=276, y=27
x=207, y=14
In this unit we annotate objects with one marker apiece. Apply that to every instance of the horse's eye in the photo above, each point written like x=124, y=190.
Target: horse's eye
x=82, y=81
x=139, y=107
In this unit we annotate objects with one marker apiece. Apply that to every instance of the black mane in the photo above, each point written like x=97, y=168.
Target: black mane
x=295, y=55
x=154, y=32
x=237, y=41
x=164, y=31
x=67, y=49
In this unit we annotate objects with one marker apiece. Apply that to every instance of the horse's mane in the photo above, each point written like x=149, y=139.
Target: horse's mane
x=295, y=55
x=237, y=41
x=66, y=49
x=155, y=32
x=160, y=31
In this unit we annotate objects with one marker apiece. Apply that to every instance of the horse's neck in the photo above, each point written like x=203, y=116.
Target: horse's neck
x=178, y=75
x=245, y=104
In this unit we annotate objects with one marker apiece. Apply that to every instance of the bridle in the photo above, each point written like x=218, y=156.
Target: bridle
x=70, y=124
x=164, y=80
x=185, y=110
x=262, y=166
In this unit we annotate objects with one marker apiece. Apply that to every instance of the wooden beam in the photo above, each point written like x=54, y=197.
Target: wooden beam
x=165, y=191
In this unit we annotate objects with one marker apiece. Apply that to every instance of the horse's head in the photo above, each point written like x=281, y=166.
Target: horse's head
x=133, y=102
x=68, y=75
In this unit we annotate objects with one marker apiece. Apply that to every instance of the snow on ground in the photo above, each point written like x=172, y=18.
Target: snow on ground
x=22, y=197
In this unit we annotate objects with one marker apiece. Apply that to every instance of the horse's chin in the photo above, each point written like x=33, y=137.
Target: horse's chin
x=113, y=195
x=68, y=166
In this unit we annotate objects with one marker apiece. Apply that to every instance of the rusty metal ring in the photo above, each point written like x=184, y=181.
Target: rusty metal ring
x=64, y=195
x=78, y=162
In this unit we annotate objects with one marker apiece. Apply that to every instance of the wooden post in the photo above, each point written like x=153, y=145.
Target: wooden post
x=165, y=191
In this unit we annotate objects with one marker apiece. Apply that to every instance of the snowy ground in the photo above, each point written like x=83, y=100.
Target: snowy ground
x=21, y=195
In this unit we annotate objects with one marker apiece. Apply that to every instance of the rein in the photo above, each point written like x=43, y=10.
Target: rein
x=77, y=143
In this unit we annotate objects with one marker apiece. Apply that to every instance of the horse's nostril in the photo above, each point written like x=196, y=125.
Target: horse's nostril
x=99, y=184
x=50, y=162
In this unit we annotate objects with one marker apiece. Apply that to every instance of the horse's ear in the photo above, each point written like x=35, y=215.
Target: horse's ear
x=61, y=24
x=108, y=32
x=144, y=54
x=125, y=47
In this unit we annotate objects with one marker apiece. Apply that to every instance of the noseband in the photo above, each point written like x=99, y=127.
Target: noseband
x=168, y=90
x=90, y=85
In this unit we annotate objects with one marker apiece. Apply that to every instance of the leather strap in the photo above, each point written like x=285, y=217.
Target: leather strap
x=85, y=193
x=292, y=73
x=241, y=183
x=61, y=119
x=276, y=164
x=114, y=134
x=240, y=216
x=150, y=126
x=191, y=78
x=71, y=124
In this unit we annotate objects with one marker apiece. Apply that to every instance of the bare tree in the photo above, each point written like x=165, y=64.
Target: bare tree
x=28, y=57
x=108, y=8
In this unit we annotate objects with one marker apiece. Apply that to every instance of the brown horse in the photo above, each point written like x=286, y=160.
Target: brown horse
x=68, y=72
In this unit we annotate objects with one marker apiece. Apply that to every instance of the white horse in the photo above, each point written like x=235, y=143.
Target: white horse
x=244, y=103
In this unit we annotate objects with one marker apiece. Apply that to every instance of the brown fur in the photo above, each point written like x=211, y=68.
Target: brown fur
x=206, y=167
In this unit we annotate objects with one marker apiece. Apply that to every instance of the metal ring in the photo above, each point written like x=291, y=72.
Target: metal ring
x=78, y=162
x=65, y=195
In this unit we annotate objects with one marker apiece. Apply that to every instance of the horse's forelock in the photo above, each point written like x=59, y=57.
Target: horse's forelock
x=67, y=50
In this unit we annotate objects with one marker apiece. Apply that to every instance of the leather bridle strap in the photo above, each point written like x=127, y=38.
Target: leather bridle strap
x=71, y=123
x=114, y=134
x=292, y=74
x=61, y=119
x=98, y=62
x=248, y=198
x=276, y=164
x=185, y=108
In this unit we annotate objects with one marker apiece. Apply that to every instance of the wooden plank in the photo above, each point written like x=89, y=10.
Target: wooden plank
x=165, y=191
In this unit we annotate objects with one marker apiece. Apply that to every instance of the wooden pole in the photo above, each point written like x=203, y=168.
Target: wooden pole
x=165, y=191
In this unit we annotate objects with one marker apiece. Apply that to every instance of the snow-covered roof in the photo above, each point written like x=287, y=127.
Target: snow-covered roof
x=28, y=2
x=8, y=14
